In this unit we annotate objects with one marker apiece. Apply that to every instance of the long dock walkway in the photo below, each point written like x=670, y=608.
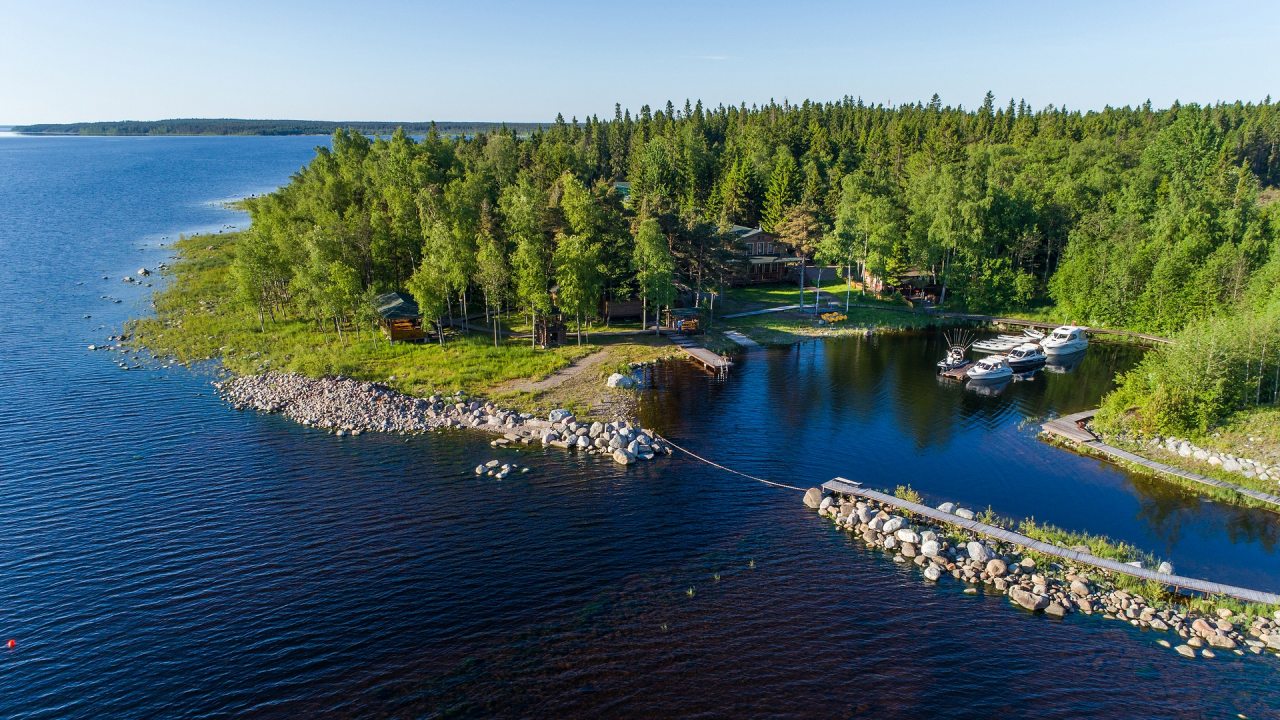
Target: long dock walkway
x=1070, y=427
x=842, y=486
x=1018, y=322
x=709, y=360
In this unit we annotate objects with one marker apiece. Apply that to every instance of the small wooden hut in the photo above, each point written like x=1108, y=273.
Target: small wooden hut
x=682, y=320
x=399, y=318
x=549, y=331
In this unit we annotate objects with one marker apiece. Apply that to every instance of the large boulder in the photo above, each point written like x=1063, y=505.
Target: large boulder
x=1028, y=599
x=893, y=524
x=929, y=548
x=978, y=551
x=965, y=513
x=932, y=572
x=622, y=457
x=907, y=535
x=560, y=415
x=1080, y=588
x=996, y=568
x=826, y=503
x=618, y=380
x=813, y=498
x=947, y=507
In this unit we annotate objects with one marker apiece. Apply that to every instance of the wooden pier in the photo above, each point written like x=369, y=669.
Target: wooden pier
x=1071, y=427
x=709, y=360
x=841, y=486
x=957, y=373
x=1016, y=322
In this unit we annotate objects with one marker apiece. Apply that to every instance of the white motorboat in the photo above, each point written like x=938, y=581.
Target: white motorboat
x=991, y=369
x=999, y=343
x=1026, y=356
x=955, y=358
x=1034, y=333
x=1065, y=340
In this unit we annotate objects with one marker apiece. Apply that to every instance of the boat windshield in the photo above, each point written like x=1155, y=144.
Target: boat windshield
x=1061, y=336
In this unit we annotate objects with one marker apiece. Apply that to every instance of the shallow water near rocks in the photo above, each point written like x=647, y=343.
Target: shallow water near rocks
x=165, y=556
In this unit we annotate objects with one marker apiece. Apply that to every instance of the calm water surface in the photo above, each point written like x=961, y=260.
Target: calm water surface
x=162, y=556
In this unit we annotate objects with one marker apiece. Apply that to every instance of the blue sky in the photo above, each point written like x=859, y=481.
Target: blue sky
x=492, y=60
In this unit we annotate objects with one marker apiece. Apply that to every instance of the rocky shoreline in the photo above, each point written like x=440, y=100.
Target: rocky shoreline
x=1227, y=462
x=350, y=407
x=1041, y=585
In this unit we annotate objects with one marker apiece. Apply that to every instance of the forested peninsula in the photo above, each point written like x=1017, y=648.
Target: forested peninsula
x=1160, y=220
x=237, y=126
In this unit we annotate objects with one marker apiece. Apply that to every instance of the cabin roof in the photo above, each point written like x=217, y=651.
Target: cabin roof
x=396, y=306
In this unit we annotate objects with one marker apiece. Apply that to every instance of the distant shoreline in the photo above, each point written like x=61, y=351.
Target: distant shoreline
x=187, y=127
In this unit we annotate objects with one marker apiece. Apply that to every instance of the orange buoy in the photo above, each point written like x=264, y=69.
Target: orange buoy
x=12, y=643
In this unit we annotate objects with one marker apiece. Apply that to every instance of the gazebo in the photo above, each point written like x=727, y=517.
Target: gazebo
x=399, y=317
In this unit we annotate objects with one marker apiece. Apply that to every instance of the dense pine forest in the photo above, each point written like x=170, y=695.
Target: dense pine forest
x=1145, y=218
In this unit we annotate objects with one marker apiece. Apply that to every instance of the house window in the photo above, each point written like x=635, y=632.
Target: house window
x=770, y=250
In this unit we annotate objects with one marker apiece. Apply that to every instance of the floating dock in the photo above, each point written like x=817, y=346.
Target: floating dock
x=957, y=373
x=841, y=486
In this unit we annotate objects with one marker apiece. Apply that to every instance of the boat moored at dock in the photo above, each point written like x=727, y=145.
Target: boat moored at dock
x=1065, y=340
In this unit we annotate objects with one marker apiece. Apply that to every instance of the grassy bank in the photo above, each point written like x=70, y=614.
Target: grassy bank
x=198, y=318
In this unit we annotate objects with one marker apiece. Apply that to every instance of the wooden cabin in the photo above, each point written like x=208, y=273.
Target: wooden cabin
x=399, y=318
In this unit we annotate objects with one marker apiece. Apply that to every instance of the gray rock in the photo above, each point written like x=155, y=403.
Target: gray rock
x=907, y=535
x=813, y=497
x=1079, y=588
x=1028, y=600
x=560, y=415
x=622, y=457
x=1185, y=651
x=1166, y=568
x=826, y=501
x=965, y=513
x=947, y=507
x=996, y=568
x=929, y=548
x=618, y=380
x=893, y=524
x=932, y=572
x=978, y=551
x=1055, y=610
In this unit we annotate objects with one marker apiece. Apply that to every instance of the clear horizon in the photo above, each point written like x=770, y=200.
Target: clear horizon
x=74, y=61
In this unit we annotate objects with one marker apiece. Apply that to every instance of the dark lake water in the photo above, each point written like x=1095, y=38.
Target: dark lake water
x=163, y=556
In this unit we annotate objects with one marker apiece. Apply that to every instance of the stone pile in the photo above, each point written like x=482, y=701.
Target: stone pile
x=1224, y=461
x=1055, y=590
x=346, y=406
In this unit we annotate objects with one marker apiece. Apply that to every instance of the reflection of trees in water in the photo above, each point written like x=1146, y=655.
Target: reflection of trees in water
x=1166, y=509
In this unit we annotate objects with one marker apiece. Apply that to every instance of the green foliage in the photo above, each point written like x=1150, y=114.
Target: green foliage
x=905, y=492
x=1213, y=369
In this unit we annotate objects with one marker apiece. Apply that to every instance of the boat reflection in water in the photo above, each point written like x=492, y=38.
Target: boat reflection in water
x=1064, y=363
x=991, y=388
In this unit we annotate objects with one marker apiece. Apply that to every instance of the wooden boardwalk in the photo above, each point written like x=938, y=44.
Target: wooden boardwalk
x=841, y=486
x=1066, y=427
x=709, y=360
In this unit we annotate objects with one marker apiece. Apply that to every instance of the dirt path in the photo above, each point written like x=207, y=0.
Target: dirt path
x=556, y=378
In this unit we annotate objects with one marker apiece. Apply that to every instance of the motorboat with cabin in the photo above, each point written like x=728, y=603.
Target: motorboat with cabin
x=989, y=370
x=1027, y=356
x=1065, y=340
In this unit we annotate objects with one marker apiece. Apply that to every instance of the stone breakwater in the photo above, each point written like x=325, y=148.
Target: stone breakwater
x=1039, y=585
x=351, y=407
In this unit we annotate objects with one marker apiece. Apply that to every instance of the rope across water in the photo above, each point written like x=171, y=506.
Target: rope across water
x=696, y=456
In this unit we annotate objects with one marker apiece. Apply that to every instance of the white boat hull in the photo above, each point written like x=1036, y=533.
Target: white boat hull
x=1067, y=348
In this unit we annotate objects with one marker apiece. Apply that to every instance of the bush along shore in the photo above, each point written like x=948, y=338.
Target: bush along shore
x=351, y=407
x=1203, y=628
